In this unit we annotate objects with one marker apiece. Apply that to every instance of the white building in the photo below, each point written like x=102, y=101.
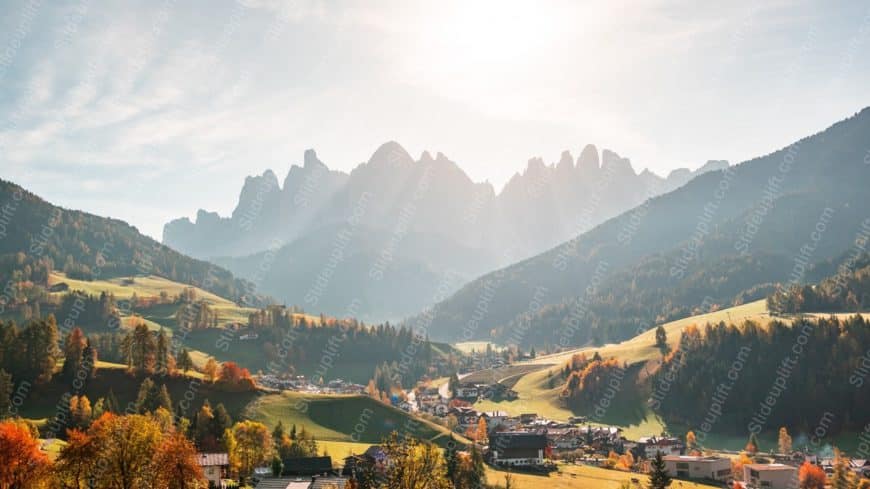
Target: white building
x=770, y=476
x=214, y=467
x=697, y=467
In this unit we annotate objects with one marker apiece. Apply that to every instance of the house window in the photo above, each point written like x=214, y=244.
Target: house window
x=682, y=466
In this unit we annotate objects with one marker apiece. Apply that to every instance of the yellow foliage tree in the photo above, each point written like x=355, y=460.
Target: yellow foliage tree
x=253, y=445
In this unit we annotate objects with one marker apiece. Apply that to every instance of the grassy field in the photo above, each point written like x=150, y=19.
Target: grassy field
x=579, y=477
x=535, y=395
x=642, y=347
x=342, y=418
x=144, y=286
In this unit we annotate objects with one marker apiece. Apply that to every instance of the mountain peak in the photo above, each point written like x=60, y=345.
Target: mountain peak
x=610, y=159
x=566, y=162
x=391, y=153
x=310, y=159
x=588, y=161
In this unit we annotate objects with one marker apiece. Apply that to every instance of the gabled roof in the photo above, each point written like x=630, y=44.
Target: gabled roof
x=323, y=482
x=212, y=459
x=517, y=439
x=307, y=465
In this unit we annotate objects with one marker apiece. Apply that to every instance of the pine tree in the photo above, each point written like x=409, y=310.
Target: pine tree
x=5, y=394
x=143, y=398
x=112, y=405
x=162, y=353
x=658, y=477
x=278, y=433
x=661, y=338
x=451, y=460
x=162, y=399
x=184, y=362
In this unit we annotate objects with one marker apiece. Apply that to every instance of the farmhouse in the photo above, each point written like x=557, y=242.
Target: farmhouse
x=664, y=445
x=697, y=467
x=214, y=467
x=770, y=476
x=517, y=448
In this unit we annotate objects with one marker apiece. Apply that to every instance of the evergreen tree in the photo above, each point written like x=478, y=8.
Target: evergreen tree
x=658, y=477
x=6, y=387
x=112, y=405
x=162, y=353
x=661, y=338
x=163, y=400
x=451, y=460
x=184, y=362
x=73, y=347
x=278, y=433
x=143, y=398
x=221, y=421
x=277, y=466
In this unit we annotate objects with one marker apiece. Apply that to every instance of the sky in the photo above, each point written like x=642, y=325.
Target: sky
x=148, y=111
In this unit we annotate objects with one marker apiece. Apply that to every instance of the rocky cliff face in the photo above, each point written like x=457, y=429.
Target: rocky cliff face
x=396, y=207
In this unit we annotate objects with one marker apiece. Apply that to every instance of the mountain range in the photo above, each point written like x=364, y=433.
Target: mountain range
x=397, y=234
x=725, y=237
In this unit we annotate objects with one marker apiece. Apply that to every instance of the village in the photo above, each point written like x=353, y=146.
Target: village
x=533, y=444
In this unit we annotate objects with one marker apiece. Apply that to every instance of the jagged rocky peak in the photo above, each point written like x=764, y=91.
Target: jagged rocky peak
x=612, y=161
x=713, y=165
x=390, y=154
x=426, y=157
x=205, y=217
x=310, y=160
x=588, y=161
x=566, y=162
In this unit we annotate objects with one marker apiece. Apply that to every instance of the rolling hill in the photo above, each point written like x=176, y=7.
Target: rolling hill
x=344, y=418
x=39, y=237
x=722, y=234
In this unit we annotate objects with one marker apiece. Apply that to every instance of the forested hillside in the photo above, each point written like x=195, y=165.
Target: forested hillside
x=747, y=377
x=38, y=237
x=703, y=245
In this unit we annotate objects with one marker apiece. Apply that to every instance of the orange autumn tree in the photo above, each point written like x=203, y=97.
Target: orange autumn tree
x=76, y=462
x=176, y=463
x=233, y=375
x=22, y=464
x=811, y=476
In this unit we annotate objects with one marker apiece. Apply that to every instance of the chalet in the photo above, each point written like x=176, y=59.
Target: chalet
x=517, y=448
x=652, y=445
x=466, y=416
x=770, y=476
x=374, y=458
x=692, y=467
x=214, y=467
x=564, y=438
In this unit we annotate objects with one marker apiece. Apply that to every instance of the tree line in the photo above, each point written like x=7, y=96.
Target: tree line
x=807, y=368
